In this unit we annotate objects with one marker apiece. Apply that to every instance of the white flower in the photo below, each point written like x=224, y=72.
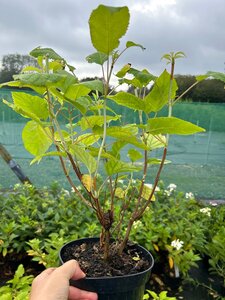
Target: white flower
x=120, y=181
x=168, y=193
x=177, y=244
x=213, y=203
x=172, y=187
x=206, y=211
x=137, y=224
x=189, y=195
x=66, y=193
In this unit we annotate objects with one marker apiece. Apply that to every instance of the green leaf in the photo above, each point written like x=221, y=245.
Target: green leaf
x=201, y=77
x=75, y=91
x=134, y=155
x=31, y=105
x=50, y=53
x=52, y=153
x=90, y=122
x=97, y=58
x=36, y=139
x=144, y=77
x=125, y=135
x=122, y=72
x=156, y=161
x=85, y=157
x=172, y=125
x=39, y=90
x=128, y=100
x=87, y=139
x=159, y=95
x=96, y=85
x=43, y=80
x=107, y=26
x=216, y=75
x=82, y=103
x=31, y=69
x=154, y=141
x=114, y=166
x=132, y=44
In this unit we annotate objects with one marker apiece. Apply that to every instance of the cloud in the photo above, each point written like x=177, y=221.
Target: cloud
x=195, y=27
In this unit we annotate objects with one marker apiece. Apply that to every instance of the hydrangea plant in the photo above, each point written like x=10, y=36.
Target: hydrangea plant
x=81, y=120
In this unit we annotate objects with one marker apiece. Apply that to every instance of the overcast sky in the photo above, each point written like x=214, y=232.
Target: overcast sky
x=196, y=27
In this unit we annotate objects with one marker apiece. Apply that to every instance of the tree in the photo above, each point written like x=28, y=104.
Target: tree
x=13, y=64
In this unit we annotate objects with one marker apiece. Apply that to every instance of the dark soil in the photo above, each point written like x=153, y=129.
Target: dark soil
x=90, y=258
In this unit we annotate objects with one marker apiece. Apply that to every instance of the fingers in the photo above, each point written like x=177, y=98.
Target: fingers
x=71, y=270
x=44, y=274
x=77, y=294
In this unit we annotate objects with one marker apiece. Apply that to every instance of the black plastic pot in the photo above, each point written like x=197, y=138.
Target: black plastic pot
x=129, y=287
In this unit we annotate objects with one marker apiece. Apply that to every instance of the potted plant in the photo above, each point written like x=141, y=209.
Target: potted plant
x=87, y=124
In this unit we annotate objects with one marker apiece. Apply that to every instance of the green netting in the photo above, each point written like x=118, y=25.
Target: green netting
x=197, y=161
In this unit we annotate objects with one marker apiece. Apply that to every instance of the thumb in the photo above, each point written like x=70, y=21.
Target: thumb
x=71, y=269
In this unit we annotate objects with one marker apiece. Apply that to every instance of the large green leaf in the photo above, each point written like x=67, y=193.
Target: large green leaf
x=217, y=75
x=159, y=95
x=172, y=125
x=97, y=58
x=31, y=105
x=36, y=139
x=39, y=90
x=107, y=26
x=36, y=79
x=85, y=157
x=114, y=166
x=128, y=100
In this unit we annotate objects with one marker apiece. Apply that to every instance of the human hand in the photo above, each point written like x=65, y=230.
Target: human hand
x=53, y=284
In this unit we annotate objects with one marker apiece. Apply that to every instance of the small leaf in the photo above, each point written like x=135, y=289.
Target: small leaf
x=122, y=72
x=87, y=181
x=156, y=247
x=50, y=53
x=97, y=58
x=85, y=157
x=147, y=192
x=114, y=166
x=92, y=121
x=134, y=155
x=132, y=44
x=96, y=85
x=171, y=262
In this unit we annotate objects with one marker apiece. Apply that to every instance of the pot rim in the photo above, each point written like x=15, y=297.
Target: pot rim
x=108, y=277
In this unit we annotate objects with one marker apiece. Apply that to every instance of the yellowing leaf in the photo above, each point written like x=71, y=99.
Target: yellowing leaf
x=147, y=192
x=87, y=181
x=120, y=193
x=171, y=262
x=156, y=247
